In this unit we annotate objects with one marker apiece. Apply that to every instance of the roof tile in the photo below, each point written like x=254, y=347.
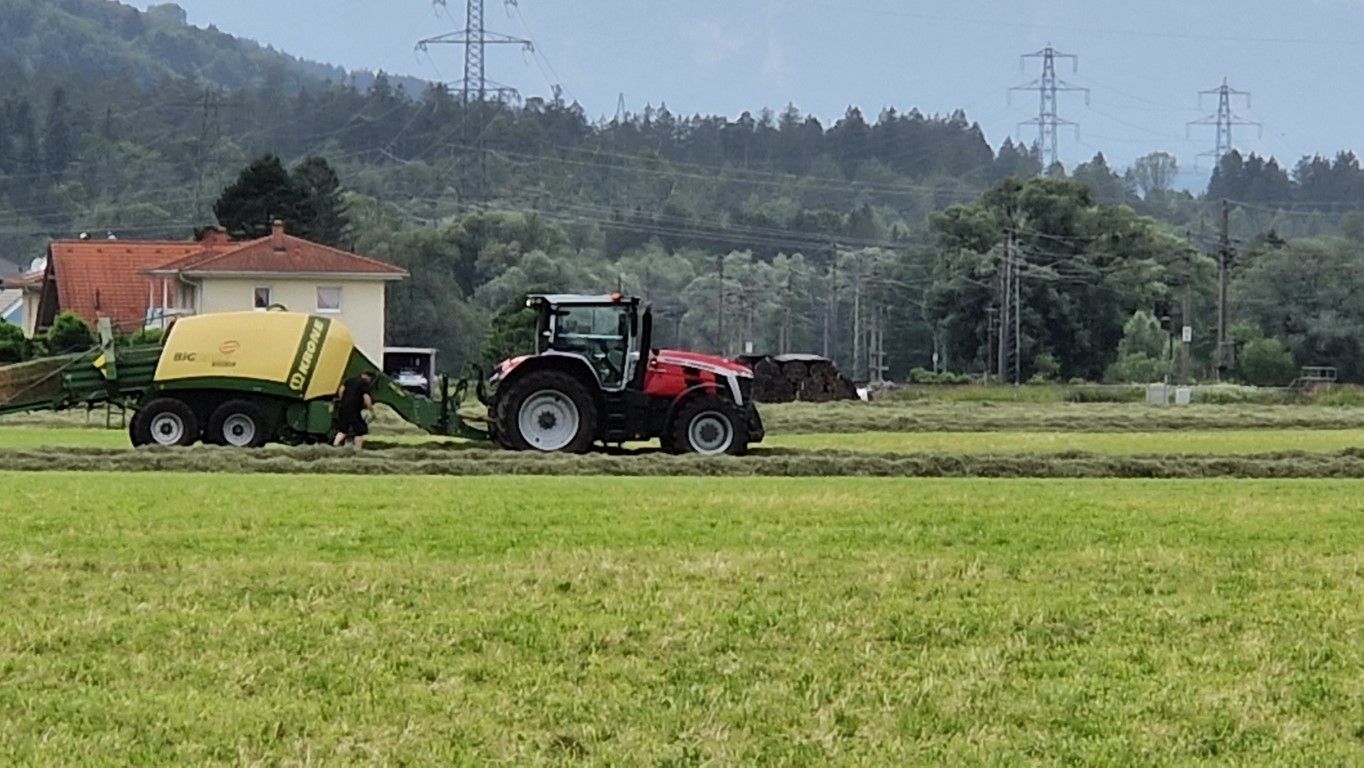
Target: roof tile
x=104, y=278
x=289, y=255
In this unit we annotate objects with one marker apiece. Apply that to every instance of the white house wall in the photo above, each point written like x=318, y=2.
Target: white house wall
x=362, y=303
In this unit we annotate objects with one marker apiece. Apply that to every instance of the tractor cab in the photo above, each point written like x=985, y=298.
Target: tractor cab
x=609, y=331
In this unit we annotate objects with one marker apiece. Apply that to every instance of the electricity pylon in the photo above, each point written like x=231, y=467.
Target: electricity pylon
x=1224, y=120
x=1048, y=86
x=476, y=38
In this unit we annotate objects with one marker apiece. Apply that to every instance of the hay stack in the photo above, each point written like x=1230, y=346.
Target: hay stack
x=798, y=378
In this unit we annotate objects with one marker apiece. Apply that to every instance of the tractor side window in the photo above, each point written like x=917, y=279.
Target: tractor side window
x=597, y=333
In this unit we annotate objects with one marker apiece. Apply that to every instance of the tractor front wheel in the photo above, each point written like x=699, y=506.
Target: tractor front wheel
x=165, y=422
x=547, y=411
x=709, y=426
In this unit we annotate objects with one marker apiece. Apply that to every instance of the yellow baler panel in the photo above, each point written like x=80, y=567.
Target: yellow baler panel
x=306, y=353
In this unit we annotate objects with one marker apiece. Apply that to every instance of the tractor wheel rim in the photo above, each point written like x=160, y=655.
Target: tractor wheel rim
x=167, y=429
x=239, y=430
x=548, y=421
x=710, y=433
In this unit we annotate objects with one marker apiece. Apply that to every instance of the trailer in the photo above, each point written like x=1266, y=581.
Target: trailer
x=239, y=379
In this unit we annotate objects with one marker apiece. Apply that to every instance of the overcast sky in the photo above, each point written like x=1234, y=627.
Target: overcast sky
x=1144, y=60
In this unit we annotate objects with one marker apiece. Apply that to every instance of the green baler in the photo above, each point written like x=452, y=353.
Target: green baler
x=241, y=379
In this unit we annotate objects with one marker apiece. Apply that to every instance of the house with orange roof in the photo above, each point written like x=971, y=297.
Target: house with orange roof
x=29, y=287
x=147, y=284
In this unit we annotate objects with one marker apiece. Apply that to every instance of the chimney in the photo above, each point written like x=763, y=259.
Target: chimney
x=277, y=234
x=214, y=236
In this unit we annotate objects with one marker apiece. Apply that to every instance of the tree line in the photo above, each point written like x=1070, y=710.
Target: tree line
x=870, y=238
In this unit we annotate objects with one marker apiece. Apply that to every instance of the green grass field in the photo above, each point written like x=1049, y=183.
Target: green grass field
x=1221, y=442
x=190, y=619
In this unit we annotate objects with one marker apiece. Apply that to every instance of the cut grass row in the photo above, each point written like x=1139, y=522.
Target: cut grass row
x=808, y=418
x=1208, y=442
x=190, y=619
x=466, y=460
x=932, y=416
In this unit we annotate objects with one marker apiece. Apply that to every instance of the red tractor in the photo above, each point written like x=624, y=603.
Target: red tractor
x=595, y=379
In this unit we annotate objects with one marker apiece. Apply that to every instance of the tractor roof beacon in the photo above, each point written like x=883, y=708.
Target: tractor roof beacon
x=595, y=378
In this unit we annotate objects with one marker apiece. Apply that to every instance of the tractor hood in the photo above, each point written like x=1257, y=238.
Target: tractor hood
x=717, y=365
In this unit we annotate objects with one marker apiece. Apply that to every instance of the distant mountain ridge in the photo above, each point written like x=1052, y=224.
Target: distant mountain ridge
x=103, y=39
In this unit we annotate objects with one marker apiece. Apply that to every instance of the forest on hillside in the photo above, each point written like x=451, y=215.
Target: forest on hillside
x=773, y=228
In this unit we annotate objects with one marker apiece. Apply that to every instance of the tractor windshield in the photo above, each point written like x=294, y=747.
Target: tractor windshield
x=599, y=333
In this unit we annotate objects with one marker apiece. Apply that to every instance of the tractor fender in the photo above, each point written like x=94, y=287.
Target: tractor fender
x=563, y=361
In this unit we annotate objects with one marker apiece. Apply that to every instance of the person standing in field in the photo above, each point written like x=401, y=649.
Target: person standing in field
x=352, y=399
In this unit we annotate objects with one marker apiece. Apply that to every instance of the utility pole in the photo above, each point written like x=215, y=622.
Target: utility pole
x=991, y=312
x=1048, y=87
x=1224, y=260
x=830, y=308
x=1005, y=299
x=746, y=300
x=1018, y=319
x=857, y=358
x=720, y=303
x=876, y=352
x=1185, y=318
x=1224, y=120
x=784, y=344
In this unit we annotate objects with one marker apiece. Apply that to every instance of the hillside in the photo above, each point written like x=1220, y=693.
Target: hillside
x=56, y=40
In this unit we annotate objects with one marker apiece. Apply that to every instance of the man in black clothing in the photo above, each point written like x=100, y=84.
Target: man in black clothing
x=355, y=395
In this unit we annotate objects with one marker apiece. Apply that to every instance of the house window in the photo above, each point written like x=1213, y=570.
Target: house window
x=328, y=298
x=262, y=298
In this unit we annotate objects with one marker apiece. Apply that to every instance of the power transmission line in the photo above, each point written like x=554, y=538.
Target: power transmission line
x=1048, y=87
x=1224, y=120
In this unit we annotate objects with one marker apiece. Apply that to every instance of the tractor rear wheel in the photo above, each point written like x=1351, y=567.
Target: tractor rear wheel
x=547, y=411
x=238, y=424
x=165, y=422
x=709, y=426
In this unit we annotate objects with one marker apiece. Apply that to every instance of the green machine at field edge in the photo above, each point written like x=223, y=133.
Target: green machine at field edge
x=239, y=379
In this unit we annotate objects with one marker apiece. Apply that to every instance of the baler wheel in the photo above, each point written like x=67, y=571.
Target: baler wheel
x=238, y=424
x=134, y=434
x=165, y=422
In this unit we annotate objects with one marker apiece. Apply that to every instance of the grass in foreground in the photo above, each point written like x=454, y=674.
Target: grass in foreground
x=1209, y=442
x=188, y=619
